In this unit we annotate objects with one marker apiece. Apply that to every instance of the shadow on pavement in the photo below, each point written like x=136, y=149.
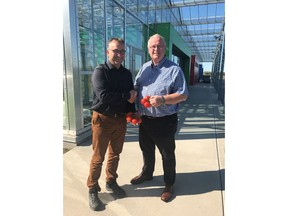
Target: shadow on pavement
x=186, y=184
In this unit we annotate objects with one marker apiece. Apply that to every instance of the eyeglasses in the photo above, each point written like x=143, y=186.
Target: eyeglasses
x=157, y=46
x=116, y=51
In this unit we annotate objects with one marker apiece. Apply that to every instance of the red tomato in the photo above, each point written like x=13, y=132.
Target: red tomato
x=143, y=101
x=147, y=98
x=139, y=121
x=134, y=121
x=147, y=104
x=128, y=118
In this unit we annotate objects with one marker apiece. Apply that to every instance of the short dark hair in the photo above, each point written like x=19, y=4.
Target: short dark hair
x=120, y=40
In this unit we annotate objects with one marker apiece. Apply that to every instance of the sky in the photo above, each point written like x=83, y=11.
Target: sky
x=201, y=12
x=207, y=66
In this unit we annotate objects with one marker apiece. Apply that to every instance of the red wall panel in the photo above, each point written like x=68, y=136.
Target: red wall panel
x=194, y=72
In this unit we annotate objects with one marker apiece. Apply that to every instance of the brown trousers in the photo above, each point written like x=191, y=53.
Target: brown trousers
x=107, y=132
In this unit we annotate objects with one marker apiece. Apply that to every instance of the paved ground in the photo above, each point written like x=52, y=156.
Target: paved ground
x=199, y=188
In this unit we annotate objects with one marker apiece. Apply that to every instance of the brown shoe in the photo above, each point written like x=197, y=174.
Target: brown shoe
x=140, y=178
x=167, y=193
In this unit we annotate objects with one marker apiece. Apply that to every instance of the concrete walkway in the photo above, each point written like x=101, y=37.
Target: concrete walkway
x=199, y=188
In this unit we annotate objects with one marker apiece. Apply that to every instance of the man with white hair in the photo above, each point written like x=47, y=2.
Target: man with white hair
x=164, y=83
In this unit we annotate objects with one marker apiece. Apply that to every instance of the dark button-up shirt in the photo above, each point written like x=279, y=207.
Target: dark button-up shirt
x=111, y=87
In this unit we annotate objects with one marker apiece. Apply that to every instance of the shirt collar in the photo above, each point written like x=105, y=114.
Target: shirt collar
x=160, y=63
x=110, y=66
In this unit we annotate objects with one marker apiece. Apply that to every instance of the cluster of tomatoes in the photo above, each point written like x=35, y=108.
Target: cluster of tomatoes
x=145, y=101
x=133, y=118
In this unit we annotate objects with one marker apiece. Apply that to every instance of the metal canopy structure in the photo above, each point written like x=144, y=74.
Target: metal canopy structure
x=201, y=25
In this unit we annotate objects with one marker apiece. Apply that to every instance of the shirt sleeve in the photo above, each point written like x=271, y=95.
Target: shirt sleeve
x=180, y=85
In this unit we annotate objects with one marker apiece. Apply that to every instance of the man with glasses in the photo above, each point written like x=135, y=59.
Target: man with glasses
x=164, y=83
x=113, y=97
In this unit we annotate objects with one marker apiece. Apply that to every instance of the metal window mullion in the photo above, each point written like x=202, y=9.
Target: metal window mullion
x=106, y=26
x=125, y=20
x=73, y=65
x=93, y=35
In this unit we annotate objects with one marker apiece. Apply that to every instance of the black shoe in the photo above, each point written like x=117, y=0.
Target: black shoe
x=114, y=187
x=94, y=201
x=140, y=178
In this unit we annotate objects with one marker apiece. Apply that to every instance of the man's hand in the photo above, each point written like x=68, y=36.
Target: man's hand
x=155, y=100
x=133, y=96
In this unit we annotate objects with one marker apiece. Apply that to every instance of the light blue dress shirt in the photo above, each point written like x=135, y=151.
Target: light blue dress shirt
x=162, y=79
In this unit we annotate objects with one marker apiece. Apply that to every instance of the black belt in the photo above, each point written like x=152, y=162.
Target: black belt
x=149, y=117
x=112, y=114
x=115, y=114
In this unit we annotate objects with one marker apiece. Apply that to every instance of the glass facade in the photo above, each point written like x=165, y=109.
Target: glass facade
x=88, y=25
x=94, y=23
